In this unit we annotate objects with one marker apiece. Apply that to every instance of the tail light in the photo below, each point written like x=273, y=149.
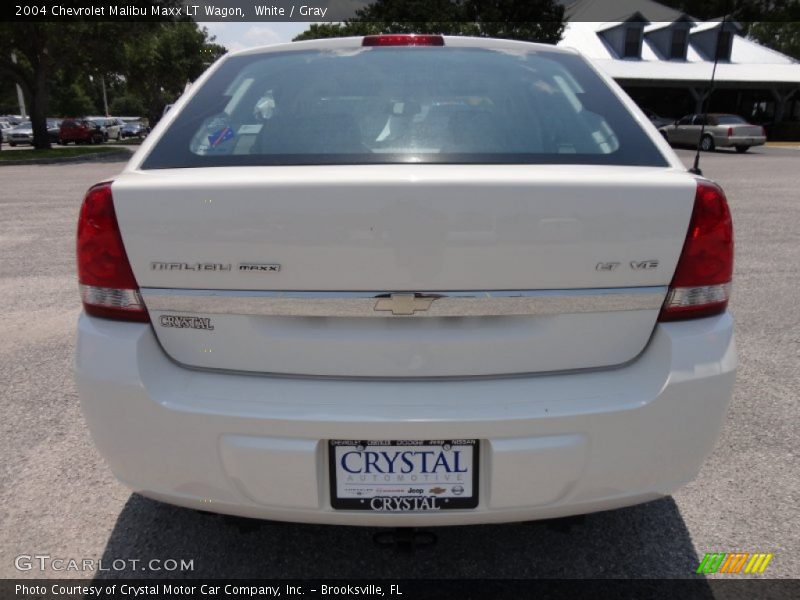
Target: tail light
x=403, y=39
x=107, y=285
x=763, y=132
x=730, y=131
x=701, y=285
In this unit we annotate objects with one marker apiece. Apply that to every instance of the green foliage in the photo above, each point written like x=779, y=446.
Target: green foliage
x=70, y=99
x=128, y=105
x=781, y=36
x=319, y=31
x=45, y=51
x=158, y=66
x=60, y=66
x=533, y=20
x=8, y=97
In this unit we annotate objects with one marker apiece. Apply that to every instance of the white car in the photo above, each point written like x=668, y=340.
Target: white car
x=443, y=280
x=110, y=126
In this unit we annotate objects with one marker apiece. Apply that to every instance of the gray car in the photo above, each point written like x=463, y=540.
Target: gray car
x=720, y=131
x=23, y=134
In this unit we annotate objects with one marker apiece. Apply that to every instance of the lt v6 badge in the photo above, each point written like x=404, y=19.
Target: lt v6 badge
x=644, y=265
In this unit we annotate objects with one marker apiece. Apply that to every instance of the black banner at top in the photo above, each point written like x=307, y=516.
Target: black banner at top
x=167, y=10
x=401, y=10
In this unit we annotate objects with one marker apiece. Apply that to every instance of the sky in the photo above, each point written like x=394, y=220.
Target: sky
x=237, y=36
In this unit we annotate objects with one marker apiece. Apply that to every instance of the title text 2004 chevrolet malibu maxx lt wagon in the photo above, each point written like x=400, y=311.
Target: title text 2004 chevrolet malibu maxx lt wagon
x=405, y=280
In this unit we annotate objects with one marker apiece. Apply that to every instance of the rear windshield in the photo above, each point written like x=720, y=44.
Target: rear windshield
x=403, y=105
x=728, y=120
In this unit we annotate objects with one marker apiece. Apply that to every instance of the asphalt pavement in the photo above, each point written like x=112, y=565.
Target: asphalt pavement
x=57, y=496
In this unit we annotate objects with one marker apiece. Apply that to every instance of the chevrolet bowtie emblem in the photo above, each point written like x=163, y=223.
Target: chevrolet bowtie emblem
x=404, y=304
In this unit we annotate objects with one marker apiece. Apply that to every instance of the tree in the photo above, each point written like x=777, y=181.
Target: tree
x=781, y=36
x=8, y=97
x=127, y=104
x=35, y=53
x=533, y=20
x=69, y=97
x=319, y=31
x=31, y=53
x=151, y=60
x=158, y=66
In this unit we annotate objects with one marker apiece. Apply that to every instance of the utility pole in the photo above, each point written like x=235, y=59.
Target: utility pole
x=105, y=99
x=20, y=95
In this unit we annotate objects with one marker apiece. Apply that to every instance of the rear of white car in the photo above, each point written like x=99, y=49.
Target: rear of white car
x=405, y=280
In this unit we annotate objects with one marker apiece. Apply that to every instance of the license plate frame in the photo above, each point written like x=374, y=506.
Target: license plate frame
x=435, y=502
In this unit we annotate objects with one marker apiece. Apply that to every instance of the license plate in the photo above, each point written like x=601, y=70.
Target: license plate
x=403, y=475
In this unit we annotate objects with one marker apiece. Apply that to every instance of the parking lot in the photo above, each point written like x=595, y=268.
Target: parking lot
x=59, y=498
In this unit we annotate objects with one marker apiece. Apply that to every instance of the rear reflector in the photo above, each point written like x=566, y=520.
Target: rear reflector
x=702, y=282
x=107, y=285
x=404, y=39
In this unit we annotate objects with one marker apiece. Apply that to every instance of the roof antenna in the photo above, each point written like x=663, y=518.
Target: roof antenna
x=704, y=115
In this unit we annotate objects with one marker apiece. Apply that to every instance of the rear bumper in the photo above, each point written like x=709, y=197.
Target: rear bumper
x=551, y=445
x=729, y=142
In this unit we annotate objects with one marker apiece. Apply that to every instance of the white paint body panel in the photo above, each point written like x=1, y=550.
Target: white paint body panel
x=587, y=441
x=412, y=347
x=405, y=227
x=412, y=228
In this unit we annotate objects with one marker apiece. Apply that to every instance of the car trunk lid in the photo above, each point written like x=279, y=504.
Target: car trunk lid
x=404, y=270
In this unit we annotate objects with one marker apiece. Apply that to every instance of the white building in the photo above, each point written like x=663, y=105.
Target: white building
x=664, y=59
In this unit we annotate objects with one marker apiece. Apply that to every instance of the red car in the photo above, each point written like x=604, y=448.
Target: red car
x=80, y=131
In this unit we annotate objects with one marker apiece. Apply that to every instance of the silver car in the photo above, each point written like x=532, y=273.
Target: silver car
x=5, y=126
x=23, y=133
x=720, y=131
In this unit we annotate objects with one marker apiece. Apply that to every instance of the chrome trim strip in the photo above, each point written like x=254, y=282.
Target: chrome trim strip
x=363, y=304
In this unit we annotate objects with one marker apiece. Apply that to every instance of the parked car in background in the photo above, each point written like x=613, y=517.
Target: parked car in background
x=14, y=120
x=20, y=134
x=720, y=131
x=110, y=127
x=451, y=283
x=114, y=127
x=656, y=119
x=81, y=131
x=4, y=127
x=135, y=129
x=23, y=134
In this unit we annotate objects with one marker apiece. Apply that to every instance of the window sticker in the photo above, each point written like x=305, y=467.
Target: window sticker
x=220, y=137
x=250, y=129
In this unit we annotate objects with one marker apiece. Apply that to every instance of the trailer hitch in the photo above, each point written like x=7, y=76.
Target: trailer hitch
x=404, y=539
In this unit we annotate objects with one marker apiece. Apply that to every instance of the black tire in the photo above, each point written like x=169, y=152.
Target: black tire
x=742, y=149
x=12, y=144
x=707, y=143
x=62, y=142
